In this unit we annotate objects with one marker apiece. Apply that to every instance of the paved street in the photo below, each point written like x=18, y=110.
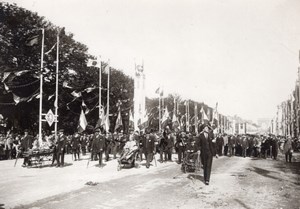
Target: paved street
x=269, y=183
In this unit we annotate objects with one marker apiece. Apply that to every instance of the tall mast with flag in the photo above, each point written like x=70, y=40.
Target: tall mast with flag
x=41, y=85
x=56, y=84
x=139, y=96
x=160, y=93
x=107, y=69
x=196, y=118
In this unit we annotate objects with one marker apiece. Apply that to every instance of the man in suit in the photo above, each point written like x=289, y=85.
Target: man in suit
x=26, y=144
x=60, y=148
x=150, y=147
x=75, y=145
x=206, y=149
x=98, y=145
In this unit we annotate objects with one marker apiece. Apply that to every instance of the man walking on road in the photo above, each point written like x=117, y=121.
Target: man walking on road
x=206, y=148
x=150, y=147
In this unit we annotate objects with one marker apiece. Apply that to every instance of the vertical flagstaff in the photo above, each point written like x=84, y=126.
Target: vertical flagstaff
x=100, y=72
x=56, y=85
x=41, y=86
x=159, y=113
x=196, y=118
x=108, y=75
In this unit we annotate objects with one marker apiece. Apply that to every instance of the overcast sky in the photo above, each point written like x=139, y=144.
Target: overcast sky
x=242, y=54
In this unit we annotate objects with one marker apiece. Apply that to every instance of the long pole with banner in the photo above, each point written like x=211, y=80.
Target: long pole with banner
x=100, y=72
x=108, y=76
x=41, y=86
x=56, y=86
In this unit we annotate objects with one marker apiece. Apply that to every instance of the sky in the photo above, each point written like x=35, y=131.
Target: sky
x=242, y=54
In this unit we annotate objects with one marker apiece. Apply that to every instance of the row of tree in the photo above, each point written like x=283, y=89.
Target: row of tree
x=20, y=55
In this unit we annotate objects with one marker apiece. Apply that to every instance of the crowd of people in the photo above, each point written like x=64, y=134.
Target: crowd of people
x=166, y=144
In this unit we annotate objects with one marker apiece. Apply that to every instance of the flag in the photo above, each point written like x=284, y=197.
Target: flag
x=76, y=94
x=144, y=122
x=101, y=119
x=107, y=68
x=82, y=122
x=204, y=116
x=106, y=123
x=89, y=89
x=215, y=119
x=165, y=118
x=32, y=40
x=83, y=104
x=50, y=50
x=175, y=123
x=159, y=91
x=131, y=120
x=94, y=63
x=66, y=85
x=118, y=121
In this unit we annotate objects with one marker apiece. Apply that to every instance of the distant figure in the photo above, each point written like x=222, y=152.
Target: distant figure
x=288, y=149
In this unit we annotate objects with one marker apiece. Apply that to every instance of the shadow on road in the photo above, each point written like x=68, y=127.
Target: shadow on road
x=242, y=204
x=196, y=176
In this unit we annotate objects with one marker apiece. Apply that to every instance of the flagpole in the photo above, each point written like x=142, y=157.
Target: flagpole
x=56, y=86
x=196, y=119
x=107, y=116
x=41, y=86
x=100, y=72
x=159, y=113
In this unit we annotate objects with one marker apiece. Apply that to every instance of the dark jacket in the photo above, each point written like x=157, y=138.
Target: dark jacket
x=61, y=143
x=27, y=143
x=98, y=143
x=150, y=143
x=205, y=145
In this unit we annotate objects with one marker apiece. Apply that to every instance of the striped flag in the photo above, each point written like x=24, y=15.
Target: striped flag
x=82, y=122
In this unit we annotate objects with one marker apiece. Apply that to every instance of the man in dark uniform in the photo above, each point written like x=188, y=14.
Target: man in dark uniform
x=150, y=147
x=180, y=144
x=220, y=145
x=60, y=148
x=98, y=145
x=206, y=148
x=75, y=145
x=26, y=144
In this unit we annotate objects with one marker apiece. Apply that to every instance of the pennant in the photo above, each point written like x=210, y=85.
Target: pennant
x=46, y=53
x=175, y=123
x=118, y=121
x=19, y=73
x=82, y=122
x=32, y=40
x=76, y=94
x=107, y=123
x=83, y=104
x=165, y=118
x=107, y=68
x=66, y=85
x=5, y=75
x=131, y=120
x=89, y=89
x=204, y=116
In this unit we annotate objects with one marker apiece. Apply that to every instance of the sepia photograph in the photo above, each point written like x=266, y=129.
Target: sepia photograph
x=139, y=104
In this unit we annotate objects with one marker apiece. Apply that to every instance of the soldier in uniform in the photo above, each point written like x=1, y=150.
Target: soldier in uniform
x=61, y=148
x=206, y=151
x=180, y=144
x=26, y=144
x=220, y=145
x=98, y=145
x=75, y=143
x=150, y=147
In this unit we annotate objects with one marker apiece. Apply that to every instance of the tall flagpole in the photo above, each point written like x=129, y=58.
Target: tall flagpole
x=100, y=107
x=41, y=87
x=108, y=75
x=159, y=113
x=56, y=86
x=196, y=119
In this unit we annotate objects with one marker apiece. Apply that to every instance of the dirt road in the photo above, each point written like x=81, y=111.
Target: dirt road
x=235, y=183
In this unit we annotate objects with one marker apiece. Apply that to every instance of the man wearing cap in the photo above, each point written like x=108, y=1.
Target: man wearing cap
x=180, y=144
x=206, y=147
x=98, y=145
x=26, y=144
x=60, y=148
x=150, y=147
x=75, y=143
